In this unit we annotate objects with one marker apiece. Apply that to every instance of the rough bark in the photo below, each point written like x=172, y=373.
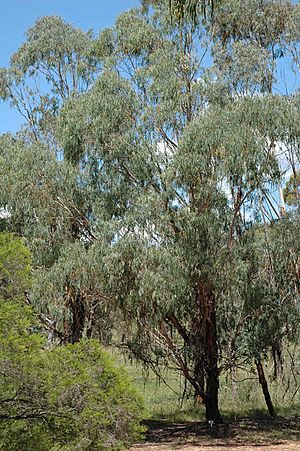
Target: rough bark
x=74, y=325
x=78, y=318
x=206, y=336
x=264, y=385
x=201, y=339
x=212, y=376
x=199, y=376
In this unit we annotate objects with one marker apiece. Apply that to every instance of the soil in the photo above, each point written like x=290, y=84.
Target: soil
x=246, y=434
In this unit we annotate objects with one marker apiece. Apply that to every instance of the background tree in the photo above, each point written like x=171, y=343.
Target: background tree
x=55, y=61
x=292, y=191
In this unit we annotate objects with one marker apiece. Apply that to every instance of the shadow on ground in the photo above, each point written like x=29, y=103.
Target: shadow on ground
x=257, y=432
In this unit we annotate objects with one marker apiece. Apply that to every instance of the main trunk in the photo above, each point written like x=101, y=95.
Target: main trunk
x=212, y=373
x=74, y=324
x=199, y=377
x=78, y=318
x=206, y=349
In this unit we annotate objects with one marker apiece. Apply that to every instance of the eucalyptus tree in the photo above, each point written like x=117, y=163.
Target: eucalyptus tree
x=251, y=41
x=151, y=104
x=165, y=184
x=181, y=162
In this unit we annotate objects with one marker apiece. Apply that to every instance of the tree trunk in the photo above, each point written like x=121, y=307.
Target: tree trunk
x=207, y=339
x=264, y=385
x=211, y=396
x=90, y=318
x=212, y=371
x=199, y=377
x=277, y=359
x=78, y=318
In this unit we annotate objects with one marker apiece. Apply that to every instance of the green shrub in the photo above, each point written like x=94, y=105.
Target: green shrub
x=105, y=408
x=69, y=398
x=72, y=397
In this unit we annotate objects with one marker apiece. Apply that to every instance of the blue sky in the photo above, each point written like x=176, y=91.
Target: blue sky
x=18, y=15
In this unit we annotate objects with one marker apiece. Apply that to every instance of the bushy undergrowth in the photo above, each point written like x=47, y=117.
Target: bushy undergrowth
x=70, y=398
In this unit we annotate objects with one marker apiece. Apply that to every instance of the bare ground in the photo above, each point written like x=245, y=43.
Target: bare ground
x=247, y=434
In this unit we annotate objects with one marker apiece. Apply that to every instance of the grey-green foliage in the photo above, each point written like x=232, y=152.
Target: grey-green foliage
x=43, y=197
x=271, y=291
x=51, y=206
x=192, y=9
x=59, y=51
x=143, y=47
x=54, y=62
x=112, y=107
x=251, y=37
x=187, y=198
x=78, y=271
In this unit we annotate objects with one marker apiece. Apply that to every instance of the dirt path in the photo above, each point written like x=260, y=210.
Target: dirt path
x=280, y=446
x=243, y=435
